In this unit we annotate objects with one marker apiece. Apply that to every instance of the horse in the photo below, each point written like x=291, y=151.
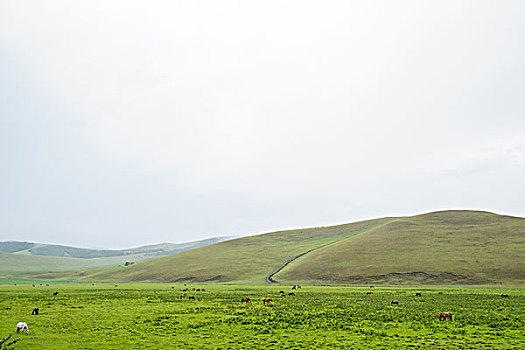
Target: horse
x=418, y=294
x=191, y=297
x=294, y=287
x=395, y=302
x=20, y=327
x=35, y=311
x=267, y=301
x=504, y=295
x=55, y=294
x=281, y=291
x=203, y=290
x=245, y=300
x=183, y=295
x=445, y=315
x=298, y=286
x=440, y=293
x=198, y=290
x=369, y=293
x=291, y=294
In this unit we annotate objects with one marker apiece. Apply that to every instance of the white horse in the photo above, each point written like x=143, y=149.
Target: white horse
x=20, y=327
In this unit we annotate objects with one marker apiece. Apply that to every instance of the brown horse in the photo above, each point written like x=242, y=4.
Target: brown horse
x=368, y=293
x=504, y=295
x=395, y=302
x=418, y=294
x=182, y=296
x=245, y=300
x=445, y=315
x=191, y=297
x=267, y=301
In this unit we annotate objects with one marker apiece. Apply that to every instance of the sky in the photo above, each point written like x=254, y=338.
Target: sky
x=124, y=123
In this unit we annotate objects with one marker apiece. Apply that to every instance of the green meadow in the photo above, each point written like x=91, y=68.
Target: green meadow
x=152, y=316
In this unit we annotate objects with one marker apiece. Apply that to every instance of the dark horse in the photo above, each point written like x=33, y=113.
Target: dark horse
x=395, y=302
x=445, y=315
x=191, y=297
x=418, y=294
x=267, y=301
x=35, y=311
x=291, y=294
x=245, y=300
x=504, y=295
x=368, y=293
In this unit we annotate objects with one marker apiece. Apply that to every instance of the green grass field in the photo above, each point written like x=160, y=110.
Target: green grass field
x=152, y=316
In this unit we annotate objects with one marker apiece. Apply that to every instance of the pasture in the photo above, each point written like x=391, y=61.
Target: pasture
x=153, y=316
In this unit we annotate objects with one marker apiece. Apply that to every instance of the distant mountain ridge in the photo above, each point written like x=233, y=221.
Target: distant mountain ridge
x=30, y=256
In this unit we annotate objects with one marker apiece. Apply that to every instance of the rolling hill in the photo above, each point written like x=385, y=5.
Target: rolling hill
x=28, y=256
x=447, y=247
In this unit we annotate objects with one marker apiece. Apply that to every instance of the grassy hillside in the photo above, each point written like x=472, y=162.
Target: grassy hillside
x=249, y=259
x=442, y=247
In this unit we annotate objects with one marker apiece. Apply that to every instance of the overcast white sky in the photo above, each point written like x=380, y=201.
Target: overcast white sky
x=125, y=123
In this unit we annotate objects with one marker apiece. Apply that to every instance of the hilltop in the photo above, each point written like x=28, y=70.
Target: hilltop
x=447, y=247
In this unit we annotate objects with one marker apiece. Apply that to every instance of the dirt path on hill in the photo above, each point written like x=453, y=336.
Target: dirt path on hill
x=270, y=279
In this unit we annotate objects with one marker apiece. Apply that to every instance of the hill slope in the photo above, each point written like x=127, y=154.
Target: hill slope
x=441, y=247
x=445, y=247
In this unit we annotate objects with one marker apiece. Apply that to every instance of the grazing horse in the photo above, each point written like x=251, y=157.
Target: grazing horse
x=281, y=291
x=504, y=295
x=267, y=301
x=440, y=293
x=191, y=297
x=445, y=315
x=418, y=294
x=291, y=294
x=55, y=294
x=294, y=287
x=203, y=290
x=368, y=293
x=298, y=286
x=245, y=300
x=185, y=290
x=35, y=311
x=20, y=327
x=395, y=302
x=198, y=290
x=182, y=296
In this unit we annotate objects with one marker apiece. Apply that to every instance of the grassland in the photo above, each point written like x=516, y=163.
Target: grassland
x=450, y=247
x=146, y=316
